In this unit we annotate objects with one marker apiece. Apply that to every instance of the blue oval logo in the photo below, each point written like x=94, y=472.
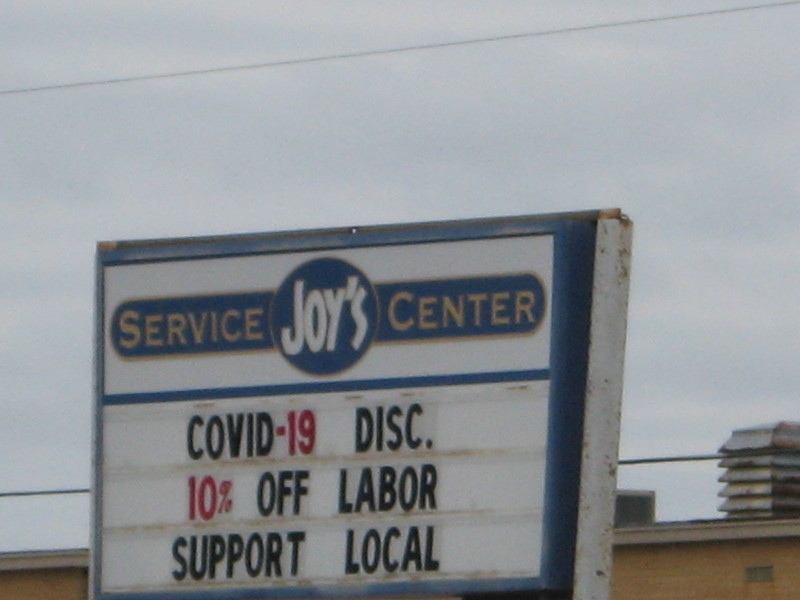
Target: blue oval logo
x=324, y=316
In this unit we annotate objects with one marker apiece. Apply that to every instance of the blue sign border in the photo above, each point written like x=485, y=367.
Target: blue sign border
x=574, y=237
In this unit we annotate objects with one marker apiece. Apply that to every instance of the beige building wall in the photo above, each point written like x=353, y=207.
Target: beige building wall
x=50, y=584
x=695, y=561
x=744, y=562
x=57, y=575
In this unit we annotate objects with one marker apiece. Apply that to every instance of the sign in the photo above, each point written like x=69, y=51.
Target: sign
x=376, y=411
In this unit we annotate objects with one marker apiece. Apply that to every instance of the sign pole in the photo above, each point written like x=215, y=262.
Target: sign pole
x=594, y=546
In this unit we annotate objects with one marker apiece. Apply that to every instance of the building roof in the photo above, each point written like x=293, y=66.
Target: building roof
x=44, y=559
x=706, y=531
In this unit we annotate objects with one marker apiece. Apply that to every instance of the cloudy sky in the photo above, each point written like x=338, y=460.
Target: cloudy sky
x=690, y=125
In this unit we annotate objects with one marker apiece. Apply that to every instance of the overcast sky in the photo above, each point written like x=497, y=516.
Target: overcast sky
x=691, y=126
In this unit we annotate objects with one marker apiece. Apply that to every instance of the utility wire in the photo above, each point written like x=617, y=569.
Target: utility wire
x=669, y=459
x=45, y=493
x=388, y=51
x=745, y=453
x=621, y=462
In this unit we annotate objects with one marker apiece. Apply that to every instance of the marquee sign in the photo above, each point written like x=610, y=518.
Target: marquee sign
x=377, y=411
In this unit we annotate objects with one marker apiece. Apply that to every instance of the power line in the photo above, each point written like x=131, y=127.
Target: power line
x=622, y=462
x=670, y=459
x=45, y=492
x=398, y=50
x=746, y=453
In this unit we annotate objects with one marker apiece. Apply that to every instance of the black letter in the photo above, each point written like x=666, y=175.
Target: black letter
x=180, y=573
x=215, y=446
x=413, y=442
x=283, y=488
x=388, y=564
x=253, y=568
x=235, y=551
x=263, y=434
x=407, y=488
x=366, y=491
x=412, y=551
x=216, y=555
x=194, y=453
x=427, y=487
x=235, y=429
x=274, y=547
x=370, y=563
x=431, y=564
x=391, y=414
x=266, y=509
x=363, y=429
x=299, y=488
x=250, y=434
x=379, y=428
x=295, y=537
x=387, y=495
x=344, y=505
x=198, y=559
x=350, y=567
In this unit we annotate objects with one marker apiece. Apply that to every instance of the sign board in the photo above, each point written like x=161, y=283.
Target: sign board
x=356, y=412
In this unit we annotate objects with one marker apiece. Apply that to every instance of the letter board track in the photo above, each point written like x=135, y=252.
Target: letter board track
x=355, y=412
